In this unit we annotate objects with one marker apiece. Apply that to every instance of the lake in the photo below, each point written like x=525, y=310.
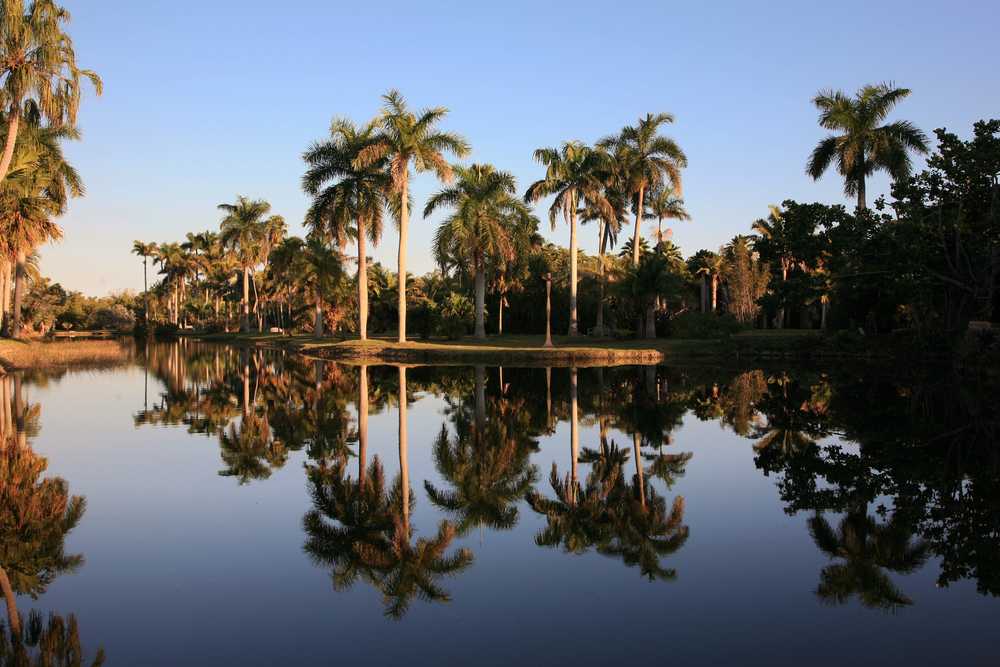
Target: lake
x=244, y=507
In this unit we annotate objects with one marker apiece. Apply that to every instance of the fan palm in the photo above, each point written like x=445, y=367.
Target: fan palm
x=576, y=174
x=865, y=146
x=359, y=196
x=645, y=160
x=664, y=203
x=37, y=63
x=404, y=137
x=485, y=225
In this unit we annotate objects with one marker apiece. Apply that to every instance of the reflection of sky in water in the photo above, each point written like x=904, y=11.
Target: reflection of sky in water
x=184, y=566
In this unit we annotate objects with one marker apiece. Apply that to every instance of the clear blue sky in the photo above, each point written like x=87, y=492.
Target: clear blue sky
x=204, y=101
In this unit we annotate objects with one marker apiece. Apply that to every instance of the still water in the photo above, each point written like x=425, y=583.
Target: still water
x=244, y=507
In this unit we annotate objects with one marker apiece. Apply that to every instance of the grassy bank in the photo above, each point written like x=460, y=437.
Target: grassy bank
x=74, y=354
x=505, y=349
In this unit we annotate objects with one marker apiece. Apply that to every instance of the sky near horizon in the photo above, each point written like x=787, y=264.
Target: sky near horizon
x=204, y=101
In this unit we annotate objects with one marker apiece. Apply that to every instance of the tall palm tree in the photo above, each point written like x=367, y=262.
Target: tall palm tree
x=144, y=250
x=404, y=137
x=576, y=174
x=486, y=222
x=865, y=146
x=245, y=232
x=359, y=194
x=37, y=63
x=645, y=160
x=772, y=231
x=664, y=203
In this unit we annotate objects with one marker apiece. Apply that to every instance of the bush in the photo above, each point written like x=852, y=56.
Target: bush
x=424, y=318
x=702, y=326
x=117, y=317
x=165, y=329
x=215, y=326
x=144, y=329
x=458, y=314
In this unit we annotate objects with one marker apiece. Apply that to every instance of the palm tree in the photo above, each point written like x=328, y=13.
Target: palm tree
x=645, y=160
x=38, y=64
x=575, y=174
x=35, y=191
x=864, y=147
x=359, y=195
x=319, y=266
x=484, y=227
x=145, y=250
x=664, y=203
x=708, y=264
x=245, y=232
x=772, y=231
x=404, y=137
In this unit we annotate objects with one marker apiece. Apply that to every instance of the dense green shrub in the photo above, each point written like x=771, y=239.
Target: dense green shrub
x=215, y=326
x=165, y=328
x=700, y=326
x=424, y=318
x=458, y=314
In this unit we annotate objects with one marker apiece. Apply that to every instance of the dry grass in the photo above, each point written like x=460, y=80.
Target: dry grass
x=75, y=355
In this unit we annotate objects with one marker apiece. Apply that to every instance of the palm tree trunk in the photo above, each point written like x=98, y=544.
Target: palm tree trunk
x=574, y=428
x=5, y=298
x=480, y=400
x=715, y=291
x=574, y=331
x=404, y=472
x=650, y=319
x=704, y=294
x=638, y=228
x=8, y=595
x=480, y=298
x=19, y=276
x=244, y=314
x=319, y=315
x=636, y=441
x=403, y=217
x=362, y=282
x=8, y=150
x=362, y=423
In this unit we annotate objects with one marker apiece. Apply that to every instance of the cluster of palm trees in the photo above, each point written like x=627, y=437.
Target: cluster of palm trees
x=359, y=175
x=40, y=93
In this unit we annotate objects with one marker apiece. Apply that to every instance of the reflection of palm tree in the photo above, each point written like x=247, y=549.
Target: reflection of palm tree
x=35, y=517
x=371, y=542
x=489, y=473
x=249, y=451
x=646, y=532
x=867, y=548
x=57, y=642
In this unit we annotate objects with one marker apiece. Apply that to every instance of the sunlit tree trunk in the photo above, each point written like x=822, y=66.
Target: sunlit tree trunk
x=244, y=313
x=404, y=213
x=5, y=298
x=638, y=228
x=362, y=282
x=650, y=319
x=319, y=315
x=574, y=331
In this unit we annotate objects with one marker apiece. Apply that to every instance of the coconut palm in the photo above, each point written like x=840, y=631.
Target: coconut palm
x=144, y=250
x=359, y=195
x=576, y=174
x=710, y=265
x=404, y=137
x=245, y=232
x=645, y=160
x=865, y=146
x=484, y=227
x=38, y=64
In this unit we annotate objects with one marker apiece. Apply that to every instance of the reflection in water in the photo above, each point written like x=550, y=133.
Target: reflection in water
x=867, y=549
x=836, y=442
x=36, y=515
x=370, y=540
